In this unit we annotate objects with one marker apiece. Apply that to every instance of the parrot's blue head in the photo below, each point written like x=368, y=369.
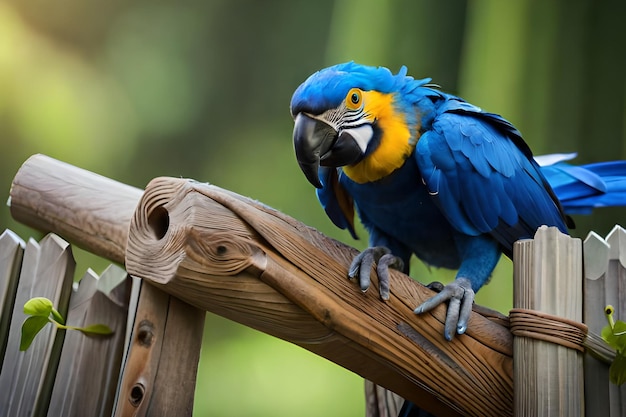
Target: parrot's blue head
x=328, y=87
x=357, y=117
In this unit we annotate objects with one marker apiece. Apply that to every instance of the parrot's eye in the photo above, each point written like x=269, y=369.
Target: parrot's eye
x=353, y=99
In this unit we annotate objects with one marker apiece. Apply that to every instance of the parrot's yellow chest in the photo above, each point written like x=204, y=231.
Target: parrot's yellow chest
x=395, y=144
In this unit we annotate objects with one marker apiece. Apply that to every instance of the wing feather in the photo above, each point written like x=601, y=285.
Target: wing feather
x=482, y=180
x=335, y=200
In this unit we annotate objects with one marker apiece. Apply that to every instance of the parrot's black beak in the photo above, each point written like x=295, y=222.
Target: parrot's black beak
x=311, y=139
x=317, y=142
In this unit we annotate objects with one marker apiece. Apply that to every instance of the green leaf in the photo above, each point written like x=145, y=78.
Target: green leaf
x=57, y=316
x=96, y=329
x=31, y=326
x=608, y=337
x=616, y=336
x=38, y=306
x=619, y=328
x=617, y=371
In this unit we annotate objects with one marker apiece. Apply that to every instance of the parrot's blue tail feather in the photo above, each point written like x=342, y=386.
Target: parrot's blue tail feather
x=580, y=189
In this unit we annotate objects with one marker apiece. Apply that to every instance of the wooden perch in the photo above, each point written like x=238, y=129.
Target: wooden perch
x=224, y=253
x=245, y=261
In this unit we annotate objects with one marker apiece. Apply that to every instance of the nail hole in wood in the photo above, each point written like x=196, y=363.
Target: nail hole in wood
x=137, y=393
x=145, y=333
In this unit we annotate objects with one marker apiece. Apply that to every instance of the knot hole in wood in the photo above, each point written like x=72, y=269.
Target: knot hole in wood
x=159, y=222
x=137, y=393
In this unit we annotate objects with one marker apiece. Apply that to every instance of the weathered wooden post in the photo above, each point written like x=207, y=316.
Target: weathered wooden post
x=548, y=352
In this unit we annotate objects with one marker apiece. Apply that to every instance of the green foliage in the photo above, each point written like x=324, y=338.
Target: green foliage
x=42, y=312
x=32, y=325
x=614, y=334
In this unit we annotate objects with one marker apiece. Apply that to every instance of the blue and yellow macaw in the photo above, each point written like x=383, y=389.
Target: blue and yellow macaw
x=431, y=175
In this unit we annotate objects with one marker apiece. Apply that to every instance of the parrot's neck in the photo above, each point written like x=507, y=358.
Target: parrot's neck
x=394, y=145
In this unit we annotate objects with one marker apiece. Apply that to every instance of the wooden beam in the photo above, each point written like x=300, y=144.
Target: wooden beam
x=245, y=261
x=94, y=212
x=89, y=210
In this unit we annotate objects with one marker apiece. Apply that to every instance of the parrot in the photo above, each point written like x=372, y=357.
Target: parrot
x=434, y=176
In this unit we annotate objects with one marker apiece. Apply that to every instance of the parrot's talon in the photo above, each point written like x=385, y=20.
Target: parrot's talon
x=382, y=269
x=361, y=267
x=435, y=286
x=460, y=297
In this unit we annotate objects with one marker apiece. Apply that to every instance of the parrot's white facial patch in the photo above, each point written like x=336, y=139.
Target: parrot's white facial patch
x=361, y=135
x=353, y=121
x=332, y=117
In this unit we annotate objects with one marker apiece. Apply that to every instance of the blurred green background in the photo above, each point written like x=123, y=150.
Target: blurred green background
x=138, y=89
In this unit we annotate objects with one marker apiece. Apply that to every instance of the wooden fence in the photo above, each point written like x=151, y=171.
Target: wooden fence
x=199, y=248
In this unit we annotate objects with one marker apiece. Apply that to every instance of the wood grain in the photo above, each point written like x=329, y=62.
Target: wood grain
x=238, y=258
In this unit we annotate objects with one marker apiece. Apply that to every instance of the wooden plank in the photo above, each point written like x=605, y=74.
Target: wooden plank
x=89, y=368
x=27, y=377
x=237, y=258
x=605, y=283
x=548, y=278
x=11, y=253
x=165, y=347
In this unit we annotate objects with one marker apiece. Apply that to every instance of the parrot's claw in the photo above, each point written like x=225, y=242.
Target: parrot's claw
x=461, y=297
x=362, y=265
x=435, y=286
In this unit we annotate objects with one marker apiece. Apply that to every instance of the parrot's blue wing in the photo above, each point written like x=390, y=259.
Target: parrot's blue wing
x=483, y=177
x=337, y=203
x=580, y=189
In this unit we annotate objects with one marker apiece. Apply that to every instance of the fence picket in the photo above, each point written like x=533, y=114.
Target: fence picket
x=27, y=377
x=11, y=254
x=605, y=283
x=89, y=368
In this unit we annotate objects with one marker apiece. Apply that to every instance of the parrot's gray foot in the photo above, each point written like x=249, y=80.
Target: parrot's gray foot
x=362, y=265
x=461, y=297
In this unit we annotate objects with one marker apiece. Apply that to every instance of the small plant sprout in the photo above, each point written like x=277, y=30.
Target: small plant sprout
x=41, y=312
x=614, y=334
